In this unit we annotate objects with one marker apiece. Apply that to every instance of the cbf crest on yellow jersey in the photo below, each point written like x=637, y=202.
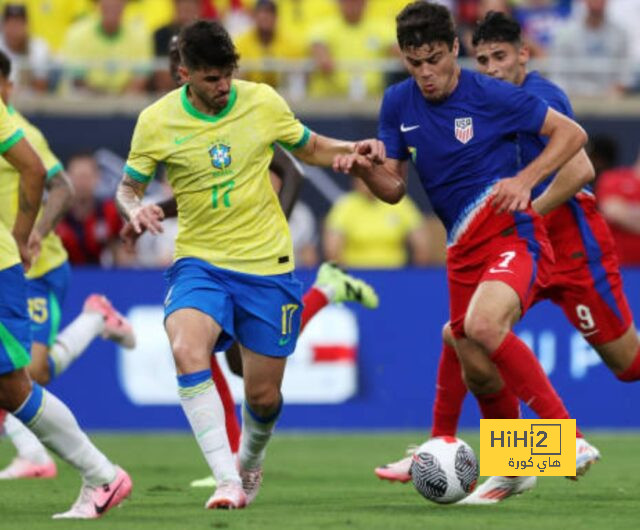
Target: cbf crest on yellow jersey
x=52, y=253
x=10, y=135
x=228, y=212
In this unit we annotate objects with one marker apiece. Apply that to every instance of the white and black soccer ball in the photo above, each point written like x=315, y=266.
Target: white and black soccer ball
x=444, y=469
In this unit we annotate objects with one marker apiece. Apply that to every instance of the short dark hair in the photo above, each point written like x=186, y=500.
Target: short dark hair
x=206, y=44
x=497, y=27
x=5, y=65
x=422, y=23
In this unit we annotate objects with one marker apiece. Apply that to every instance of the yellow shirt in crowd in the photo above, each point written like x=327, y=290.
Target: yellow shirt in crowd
x=86, y=42
x=375, y=233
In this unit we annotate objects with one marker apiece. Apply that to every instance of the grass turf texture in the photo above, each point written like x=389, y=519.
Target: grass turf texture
x=324, y=481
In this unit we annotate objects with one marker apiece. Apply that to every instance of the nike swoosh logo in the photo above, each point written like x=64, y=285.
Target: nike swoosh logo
x=404, y=128
x=180, y=140
x=590, y=333
x=284, y=341
x=101, y=509
x=494, y=270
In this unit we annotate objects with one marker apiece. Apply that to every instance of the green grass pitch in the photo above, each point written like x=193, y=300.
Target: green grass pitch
x=325, y=481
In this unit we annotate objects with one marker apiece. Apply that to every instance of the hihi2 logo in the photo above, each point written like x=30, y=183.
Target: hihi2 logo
x=528, y=447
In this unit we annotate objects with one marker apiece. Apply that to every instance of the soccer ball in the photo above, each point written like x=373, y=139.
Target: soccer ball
x=444, y=469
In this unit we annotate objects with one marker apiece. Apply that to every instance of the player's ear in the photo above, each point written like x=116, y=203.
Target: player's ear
x=456, y=47
x=524, y=54
x=183, y=73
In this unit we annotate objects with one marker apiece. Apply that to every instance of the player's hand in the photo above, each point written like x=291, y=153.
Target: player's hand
x=510, y=195
x=349, y=164
x=147, y=217
x=34, y=244
x=25, y=254
x=129, y=236
x=373, y=149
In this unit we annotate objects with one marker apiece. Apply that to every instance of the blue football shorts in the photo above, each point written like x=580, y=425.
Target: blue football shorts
x=261, y=312
x=15, y=332
x=45, y=297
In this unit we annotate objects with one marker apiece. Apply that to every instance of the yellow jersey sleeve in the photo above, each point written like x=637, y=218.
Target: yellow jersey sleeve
x=288, y=131
x=10, y=135
x=144, y=154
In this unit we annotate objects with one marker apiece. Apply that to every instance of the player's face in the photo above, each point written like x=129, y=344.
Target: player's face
x=502, y=60
x=435, y=69
x=212, y=86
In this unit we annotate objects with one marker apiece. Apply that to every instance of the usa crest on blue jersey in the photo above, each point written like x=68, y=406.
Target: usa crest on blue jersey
x=464, y=129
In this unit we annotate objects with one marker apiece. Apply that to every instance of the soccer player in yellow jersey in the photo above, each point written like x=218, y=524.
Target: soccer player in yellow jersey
x=232, y=275
x=104, y=484
x=47, y=283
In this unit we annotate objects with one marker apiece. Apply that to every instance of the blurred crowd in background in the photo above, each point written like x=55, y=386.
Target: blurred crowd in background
x=305, y=48
x=308, y=49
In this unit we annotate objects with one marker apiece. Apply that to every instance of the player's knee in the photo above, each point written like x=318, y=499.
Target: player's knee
x=188, y=358
x=40, y=373
x=480, y=382
x=484, y=330
x=447, y=334
x=263, y=399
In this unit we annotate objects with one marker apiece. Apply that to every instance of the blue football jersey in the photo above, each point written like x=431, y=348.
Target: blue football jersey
x=462, y=145
x=531, y=145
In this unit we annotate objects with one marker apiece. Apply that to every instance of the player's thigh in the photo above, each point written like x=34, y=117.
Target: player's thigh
x=262, y=377
x=234, y=359
x=493, y=310
x=192, y=336
x=620, y=353
x=479, y=373
x=39, y=366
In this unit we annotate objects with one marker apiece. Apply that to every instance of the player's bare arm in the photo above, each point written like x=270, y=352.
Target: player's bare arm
x=59, y=196
x=129, y=201
x=32, y=174
x=566, y=138
x=387, y=181
x=571, y=178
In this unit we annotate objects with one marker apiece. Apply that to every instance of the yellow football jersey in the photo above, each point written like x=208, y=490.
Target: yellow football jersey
x=375, y=233
x=52, y=253
x=228, y=213
x=10, y=134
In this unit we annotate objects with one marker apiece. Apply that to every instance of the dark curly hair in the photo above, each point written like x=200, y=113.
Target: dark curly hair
x=421, y=23
x=5, y=65
x=206, y=44
x=497, y=27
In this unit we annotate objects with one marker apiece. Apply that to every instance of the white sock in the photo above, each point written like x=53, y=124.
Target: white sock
x=256, y=433
x=26, y=443
x=56, y=427
x=203, y=408
x=73, y=340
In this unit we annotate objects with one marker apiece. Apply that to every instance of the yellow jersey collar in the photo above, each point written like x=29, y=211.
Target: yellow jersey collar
x=188, y=106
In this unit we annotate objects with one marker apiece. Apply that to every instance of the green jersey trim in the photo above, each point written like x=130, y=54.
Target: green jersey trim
x=188, y=106
x=54, y=170
x=11, y=141
x=136, y=175
x=17, y=354
x=109, y=37
x=11, y=110
x=300, y=143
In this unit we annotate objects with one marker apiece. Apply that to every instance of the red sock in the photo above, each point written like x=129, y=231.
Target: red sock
x=633, y=372
x=501, y=404
x=525, y=377
x=450, y=394
x=313, y=300
x=3, y=414
x=230, y=419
